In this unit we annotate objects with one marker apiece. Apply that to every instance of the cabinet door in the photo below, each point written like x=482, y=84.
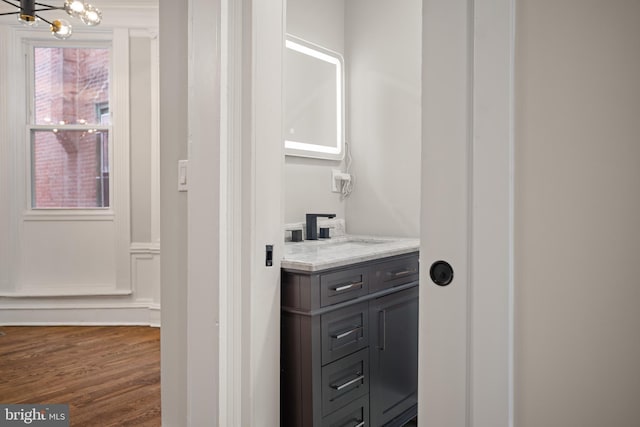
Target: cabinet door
x=394, y=355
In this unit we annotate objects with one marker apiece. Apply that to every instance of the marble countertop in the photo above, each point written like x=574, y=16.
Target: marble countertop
x=338, y=251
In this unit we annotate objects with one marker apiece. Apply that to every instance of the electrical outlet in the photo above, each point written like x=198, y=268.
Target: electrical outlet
x=335, y=181
x=337, y=177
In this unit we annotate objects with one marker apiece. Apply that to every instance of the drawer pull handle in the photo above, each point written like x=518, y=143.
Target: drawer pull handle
x=347, y=333
x=348, y=383
x=402, y=273
x=345, y=287
x=360, y=424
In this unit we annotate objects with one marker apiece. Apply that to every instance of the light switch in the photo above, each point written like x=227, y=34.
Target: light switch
x=183, y=175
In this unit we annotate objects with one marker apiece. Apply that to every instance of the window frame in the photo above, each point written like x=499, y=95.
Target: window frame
x=64, y=213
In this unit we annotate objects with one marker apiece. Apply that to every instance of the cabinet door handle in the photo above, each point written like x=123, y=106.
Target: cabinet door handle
x=345, y=287
x=348, y=383
x=382, y=327
x=360, y=424
x=347, y=333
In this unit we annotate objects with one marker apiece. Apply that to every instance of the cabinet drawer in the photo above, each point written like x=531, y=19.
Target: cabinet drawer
x=343, y=285
x=355, y=414
x=345, y=380
x=394, y=273
x=344, y=331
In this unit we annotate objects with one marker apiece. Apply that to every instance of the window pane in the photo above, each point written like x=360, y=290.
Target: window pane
x=71, y=85
x=70, y=169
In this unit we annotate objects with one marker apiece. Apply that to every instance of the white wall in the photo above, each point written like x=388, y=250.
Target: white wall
x=75, y=291
x=307, y=182
x=380, y=41
x=140, y=63
x=173, y=206
x=384, y=84
x=577, y=213
x=6, y=178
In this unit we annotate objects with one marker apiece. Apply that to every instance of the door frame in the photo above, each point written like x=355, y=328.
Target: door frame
x=245, y=32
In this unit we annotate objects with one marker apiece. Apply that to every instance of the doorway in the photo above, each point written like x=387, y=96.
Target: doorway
x=480, y=308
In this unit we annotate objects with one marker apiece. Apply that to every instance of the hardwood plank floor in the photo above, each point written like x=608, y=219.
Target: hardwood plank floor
x=109, y=375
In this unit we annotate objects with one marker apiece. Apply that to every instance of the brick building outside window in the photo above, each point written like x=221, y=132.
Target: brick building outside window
x=69, y=127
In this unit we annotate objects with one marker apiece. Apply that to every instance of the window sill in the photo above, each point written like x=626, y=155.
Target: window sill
x=65, y=292
x=69, y=215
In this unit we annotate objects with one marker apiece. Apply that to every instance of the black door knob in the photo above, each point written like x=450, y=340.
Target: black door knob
x=441, y=273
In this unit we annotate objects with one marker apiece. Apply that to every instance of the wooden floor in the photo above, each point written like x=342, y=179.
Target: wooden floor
x=109, y=376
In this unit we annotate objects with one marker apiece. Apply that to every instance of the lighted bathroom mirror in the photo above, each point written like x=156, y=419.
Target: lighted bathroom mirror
x=313, y=100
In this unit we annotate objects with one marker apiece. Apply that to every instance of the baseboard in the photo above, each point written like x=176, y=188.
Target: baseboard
x=89, y=315
x=154, y=315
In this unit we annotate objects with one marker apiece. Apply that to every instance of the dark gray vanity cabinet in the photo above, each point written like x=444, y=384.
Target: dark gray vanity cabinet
x=349, y=344
x=394, y=358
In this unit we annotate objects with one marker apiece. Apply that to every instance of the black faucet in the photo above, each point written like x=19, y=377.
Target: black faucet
x=312, y=224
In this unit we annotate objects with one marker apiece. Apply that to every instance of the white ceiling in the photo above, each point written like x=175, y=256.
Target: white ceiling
x=104, y=5
x=100, y=4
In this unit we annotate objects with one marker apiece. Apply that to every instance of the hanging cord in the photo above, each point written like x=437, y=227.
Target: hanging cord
x=346, y=187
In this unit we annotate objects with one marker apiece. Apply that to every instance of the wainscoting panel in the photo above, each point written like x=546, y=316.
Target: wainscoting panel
x=139, y=307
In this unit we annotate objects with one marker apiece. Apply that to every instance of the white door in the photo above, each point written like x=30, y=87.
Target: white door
x=466, y=326
x=445, y=227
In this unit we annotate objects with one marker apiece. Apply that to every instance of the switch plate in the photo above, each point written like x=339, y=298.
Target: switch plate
x=183, y=175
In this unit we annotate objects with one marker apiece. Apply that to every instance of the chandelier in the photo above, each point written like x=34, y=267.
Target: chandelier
x=60, y=28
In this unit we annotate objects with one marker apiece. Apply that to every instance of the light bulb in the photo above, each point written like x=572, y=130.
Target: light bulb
x=91, y=16
x=61, y=29
x=74, y=8
x=28, y=20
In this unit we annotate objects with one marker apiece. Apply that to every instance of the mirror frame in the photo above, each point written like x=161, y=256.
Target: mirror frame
x=306, y=149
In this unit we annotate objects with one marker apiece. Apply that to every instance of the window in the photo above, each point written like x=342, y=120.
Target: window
x=69, y=127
